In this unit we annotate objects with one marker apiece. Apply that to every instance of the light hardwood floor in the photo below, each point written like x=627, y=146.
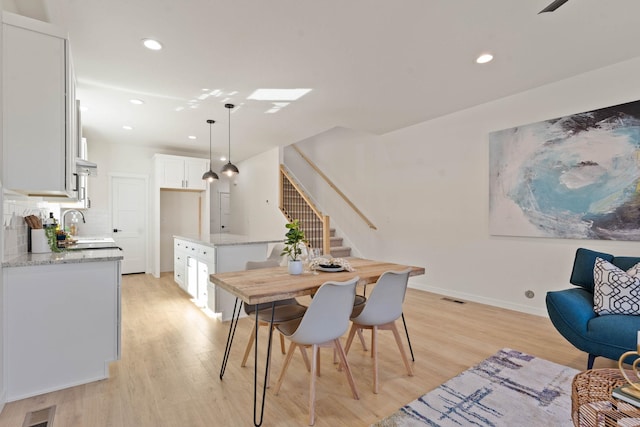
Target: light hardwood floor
x=171, y=355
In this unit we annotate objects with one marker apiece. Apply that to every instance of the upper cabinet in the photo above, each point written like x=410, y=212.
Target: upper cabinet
x=39, y=109
x=178, y=172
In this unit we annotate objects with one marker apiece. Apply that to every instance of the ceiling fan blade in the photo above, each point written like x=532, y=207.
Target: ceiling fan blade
x=553, y=6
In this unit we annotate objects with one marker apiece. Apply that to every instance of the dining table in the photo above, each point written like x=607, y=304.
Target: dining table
x=268, y=285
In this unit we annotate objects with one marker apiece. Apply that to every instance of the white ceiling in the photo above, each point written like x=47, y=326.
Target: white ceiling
x=372, y=65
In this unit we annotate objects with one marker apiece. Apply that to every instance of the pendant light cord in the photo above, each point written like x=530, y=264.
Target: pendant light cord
x=229, y=169
x=230, y=132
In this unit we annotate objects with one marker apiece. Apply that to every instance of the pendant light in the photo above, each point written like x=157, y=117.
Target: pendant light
x=210, y=176
x=229, y=169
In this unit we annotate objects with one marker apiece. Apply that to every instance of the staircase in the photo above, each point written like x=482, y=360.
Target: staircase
x=336, y=247
x=296, y=204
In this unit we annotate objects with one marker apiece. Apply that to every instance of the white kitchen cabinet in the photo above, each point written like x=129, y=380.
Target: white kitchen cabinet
x=180, y=263
x=217, y=254
x=192, y=263
x=62, y=325
x=179, y=172
x=39, y=114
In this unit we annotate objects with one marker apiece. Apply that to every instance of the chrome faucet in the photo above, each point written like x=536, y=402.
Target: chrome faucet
x=65, y=214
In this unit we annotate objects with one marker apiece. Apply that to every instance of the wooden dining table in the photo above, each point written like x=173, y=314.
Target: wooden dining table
x=274, y=284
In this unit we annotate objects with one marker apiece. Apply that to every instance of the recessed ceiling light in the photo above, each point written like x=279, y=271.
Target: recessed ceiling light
x=191, y=137
x=278, y=94
x=152, y=44
x=223, y=159
x=136, y=101
x=127, y=127
x=484, y=58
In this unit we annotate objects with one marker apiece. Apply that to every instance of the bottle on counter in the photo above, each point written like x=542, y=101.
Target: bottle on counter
x=51, y=221
x=51, y=230
x=73, y=226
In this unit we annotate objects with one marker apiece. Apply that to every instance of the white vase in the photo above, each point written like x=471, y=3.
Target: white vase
x=295, y=267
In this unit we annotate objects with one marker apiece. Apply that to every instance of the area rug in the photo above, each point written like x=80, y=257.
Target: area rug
x=509, y=388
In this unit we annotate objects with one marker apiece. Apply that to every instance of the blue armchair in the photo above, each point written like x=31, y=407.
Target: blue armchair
x=571, y=312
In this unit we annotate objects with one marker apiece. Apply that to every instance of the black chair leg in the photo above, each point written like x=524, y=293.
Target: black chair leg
x=406, y=331
x=590, y=361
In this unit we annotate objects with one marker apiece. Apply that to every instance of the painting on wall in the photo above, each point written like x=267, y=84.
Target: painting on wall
x=574, y=177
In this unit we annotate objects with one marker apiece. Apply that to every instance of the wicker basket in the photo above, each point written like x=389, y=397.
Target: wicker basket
x=592, y=404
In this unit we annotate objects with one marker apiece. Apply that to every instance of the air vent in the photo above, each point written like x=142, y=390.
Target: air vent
x=40, y=418
x=457, y=301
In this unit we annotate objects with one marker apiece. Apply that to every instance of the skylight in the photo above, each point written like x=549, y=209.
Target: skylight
x=278, y=94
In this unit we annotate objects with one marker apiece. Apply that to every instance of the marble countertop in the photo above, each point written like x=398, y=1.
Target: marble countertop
x=225, y=239
x=66, y=257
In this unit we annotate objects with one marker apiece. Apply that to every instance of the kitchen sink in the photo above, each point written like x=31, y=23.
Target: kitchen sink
x=93, y=243
x=82, y=240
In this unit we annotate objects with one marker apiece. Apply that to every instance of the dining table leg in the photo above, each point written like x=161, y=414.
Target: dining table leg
x=232, y=331
x=258, y=423
x=406, y=331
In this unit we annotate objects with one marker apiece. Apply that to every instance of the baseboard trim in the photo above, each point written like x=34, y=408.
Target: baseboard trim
x=481, y=300
x=3, y=399
x=44, y=390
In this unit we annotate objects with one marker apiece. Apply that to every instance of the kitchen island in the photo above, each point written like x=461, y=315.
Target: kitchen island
x=62, y=319
x=196, y=258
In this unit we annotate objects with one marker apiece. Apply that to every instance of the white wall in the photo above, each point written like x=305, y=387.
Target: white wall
x=254, y=197
x=179, y=215
x=426, y=188
x=3, y=390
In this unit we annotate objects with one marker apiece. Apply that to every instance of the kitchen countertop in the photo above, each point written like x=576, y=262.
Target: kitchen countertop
x=65, y=257
x=225, y=239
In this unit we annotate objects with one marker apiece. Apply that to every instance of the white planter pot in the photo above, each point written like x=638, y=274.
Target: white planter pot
x=295, y=267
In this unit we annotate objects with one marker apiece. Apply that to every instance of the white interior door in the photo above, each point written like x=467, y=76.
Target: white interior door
x=128, y=216
x=225, y=212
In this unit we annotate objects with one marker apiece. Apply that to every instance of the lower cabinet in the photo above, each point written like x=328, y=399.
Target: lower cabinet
x=195, y=262
x=179, y=267
x=62, y=325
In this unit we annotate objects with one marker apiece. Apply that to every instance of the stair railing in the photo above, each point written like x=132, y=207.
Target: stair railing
x=334, y=187
x=296, y=204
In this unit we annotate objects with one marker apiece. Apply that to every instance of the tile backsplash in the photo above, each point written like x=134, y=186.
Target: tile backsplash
x=15, y=229
x=16, y=207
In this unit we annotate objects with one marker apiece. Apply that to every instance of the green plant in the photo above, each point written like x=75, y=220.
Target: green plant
x=294, y=240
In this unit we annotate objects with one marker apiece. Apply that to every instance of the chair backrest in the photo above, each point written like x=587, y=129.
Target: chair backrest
x=276, y=251
x=385, y=302
x=254, y=265
x=327, y=317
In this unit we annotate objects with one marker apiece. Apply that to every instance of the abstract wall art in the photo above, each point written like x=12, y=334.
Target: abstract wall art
x=574, y=177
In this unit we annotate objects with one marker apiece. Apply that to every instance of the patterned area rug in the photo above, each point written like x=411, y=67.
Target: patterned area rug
x=507, y=389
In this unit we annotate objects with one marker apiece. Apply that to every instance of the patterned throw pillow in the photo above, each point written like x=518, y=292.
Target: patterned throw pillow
x=616, y=291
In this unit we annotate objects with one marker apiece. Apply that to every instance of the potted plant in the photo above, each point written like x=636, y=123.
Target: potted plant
x=293, y=246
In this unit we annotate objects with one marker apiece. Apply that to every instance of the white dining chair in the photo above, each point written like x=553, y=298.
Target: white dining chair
x=380, y=312
x=325, y=321
x=276, y=253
